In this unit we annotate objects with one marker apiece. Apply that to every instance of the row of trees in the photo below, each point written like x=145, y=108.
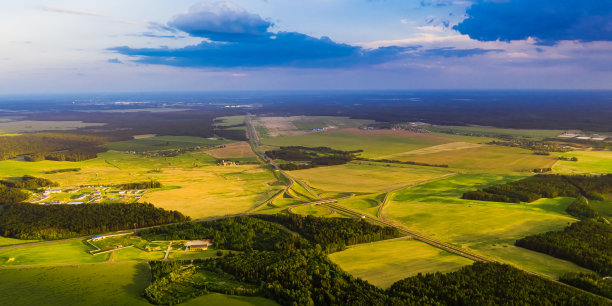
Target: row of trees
x=312, y=157
x=34, y=221
x=29, y=182
x=141, y=185
x=333, y=234
x=490, y=284
x=582, y=209
x=51, y=146
x=545, y=186
x=587, y=243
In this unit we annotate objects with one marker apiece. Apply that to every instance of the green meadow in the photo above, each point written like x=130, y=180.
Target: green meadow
x=65, y=252
x=217, y=299
x=372, y=144
x=5, y=241
x=492, y=131
x=588, y=162
x=365, y=177
x=385, y=262
x=368, y=204
x=312, y=210
x=489, y=228
x=103, y=284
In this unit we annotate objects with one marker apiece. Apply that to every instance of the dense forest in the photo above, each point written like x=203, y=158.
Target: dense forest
x=140, y=185
x=581, y=209
x=34, y=221
x=333, y=234
x=490, y=284
x=239, y=233
x=9, y=195
x=311, y=157
x=587, y=243
x=545, y=186
x=308, y=277
x=590, y=282
x=36, y=147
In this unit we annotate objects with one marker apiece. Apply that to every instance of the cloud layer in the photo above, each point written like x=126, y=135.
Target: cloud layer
x=221, y=21
x=547, y=21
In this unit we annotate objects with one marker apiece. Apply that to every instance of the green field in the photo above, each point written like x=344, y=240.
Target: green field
x=588, y=162
x=4, y=241
x=486, y=159
x=368, y=204
x=312, y=210
x=132, y=253
x=385, y=262
x=372, y=143
x=214, y=299
x=355, y=177
x=65, y=252
x=160, y=143
x=487, y=130
x=489, y=228
x=104, y=284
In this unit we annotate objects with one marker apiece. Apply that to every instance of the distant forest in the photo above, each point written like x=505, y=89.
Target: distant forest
x=545, y=186
x=140, y=185
x=51, y=146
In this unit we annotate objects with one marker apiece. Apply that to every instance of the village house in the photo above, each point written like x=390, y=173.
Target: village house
x=198, y=245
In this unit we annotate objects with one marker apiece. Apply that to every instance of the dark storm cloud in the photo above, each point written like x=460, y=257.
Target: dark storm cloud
x=547, y=21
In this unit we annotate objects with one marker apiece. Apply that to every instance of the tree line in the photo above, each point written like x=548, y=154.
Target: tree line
x=35, y=221
x=545, y=186
x=29, y=182
x=333, y=234
x=140, y=185
x=311, y=157
x=587, y=243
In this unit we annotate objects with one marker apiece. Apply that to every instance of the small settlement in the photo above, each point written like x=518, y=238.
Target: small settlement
x=88, y=194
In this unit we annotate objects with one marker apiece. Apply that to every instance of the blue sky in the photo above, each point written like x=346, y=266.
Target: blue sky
x=160, y=45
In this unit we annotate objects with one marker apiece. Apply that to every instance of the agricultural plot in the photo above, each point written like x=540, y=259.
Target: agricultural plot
x=299, y=125
x=366, y=178
x=159, y=143
x=193, y=183
x=133, y=253
x=230, y=121
x=486, y=159
x=65, y=252
x=374, y=143
x=588, y=162
x=385, y=262
x=103, y=284
x=492, y=131
x=436, y=210
x=234, y=150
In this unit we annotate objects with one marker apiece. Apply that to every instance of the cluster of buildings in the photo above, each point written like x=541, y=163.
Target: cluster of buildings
x=85, y=194
x=596, y=137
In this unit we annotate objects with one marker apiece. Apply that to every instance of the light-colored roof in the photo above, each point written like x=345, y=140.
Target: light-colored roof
x=198, y=243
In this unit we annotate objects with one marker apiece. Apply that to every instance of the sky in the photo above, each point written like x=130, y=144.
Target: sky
x=62, y=46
